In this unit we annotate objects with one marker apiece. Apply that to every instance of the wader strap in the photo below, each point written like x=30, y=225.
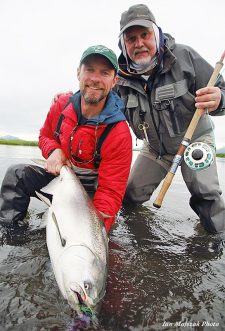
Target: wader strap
x=101, y=140
x=59, y=123
x=58, y=126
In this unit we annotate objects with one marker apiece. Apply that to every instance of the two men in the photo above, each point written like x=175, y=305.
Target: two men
x=72, y=134
x=161, y=84
x=159, y=81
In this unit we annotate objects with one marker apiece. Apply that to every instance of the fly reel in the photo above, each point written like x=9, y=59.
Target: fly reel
x=198, y=156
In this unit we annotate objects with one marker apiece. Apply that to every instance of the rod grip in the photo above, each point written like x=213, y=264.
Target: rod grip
x=165, y=186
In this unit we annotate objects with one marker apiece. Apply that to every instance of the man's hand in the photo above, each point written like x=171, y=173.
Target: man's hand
x=56, y=96
x=55, y=162
x=208, y=97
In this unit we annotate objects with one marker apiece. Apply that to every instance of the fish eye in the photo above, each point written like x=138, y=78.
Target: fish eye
x=87, y=286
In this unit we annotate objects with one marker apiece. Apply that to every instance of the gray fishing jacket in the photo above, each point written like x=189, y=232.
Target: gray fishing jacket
x=166, y=101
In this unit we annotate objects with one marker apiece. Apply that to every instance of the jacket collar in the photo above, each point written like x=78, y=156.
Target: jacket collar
x=113, y=111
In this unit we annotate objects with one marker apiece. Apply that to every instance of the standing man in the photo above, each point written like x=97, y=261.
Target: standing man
x=162, y=83
x=87, y=130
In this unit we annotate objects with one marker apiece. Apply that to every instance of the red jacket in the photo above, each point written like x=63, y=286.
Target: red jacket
x=116, y=151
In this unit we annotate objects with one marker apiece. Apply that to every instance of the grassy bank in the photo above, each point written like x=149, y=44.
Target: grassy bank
x=35, y=143
x=19, y=142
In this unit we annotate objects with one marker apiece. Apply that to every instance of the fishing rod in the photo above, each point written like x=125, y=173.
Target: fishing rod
x=186, y=140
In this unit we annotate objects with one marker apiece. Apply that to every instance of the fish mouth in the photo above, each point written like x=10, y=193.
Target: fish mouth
x=82, y=304
x=79, y=298
x=79, y=293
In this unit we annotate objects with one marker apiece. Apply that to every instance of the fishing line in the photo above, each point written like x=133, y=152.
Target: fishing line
x=63, y=241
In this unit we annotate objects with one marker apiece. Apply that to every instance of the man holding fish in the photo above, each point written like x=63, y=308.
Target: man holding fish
x=86, y=131
x=161, y=82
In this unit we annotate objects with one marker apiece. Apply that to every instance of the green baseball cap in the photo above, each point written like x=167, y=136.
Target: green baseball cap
x=101, y=50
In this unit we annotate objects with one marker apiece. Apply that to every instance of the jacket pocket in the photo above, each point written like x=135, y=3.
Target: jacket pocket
x=176, y=105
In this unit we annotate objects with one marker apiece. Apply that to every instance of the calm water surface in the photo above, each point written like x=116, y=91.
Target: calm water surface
x=165, y=271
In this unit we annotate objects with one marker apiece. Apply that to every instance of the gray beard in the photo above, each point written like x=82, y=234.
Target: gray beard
x=142, y=68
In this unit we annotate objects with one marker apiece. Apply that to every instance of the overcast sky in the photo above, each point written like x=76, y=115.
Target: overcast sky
x=42, y=41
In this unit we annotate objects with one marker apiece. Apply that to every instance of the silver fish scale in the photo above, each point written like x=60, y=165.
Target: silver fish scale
x=99, y=238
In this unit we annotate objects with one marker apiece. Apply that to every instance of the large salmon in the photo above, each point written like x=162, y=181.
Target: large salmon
x=77, y=242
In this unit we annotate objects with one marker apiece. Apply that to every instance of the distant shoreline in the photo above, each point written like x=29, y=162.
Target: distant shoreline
x=19, y=142
x=35, y=144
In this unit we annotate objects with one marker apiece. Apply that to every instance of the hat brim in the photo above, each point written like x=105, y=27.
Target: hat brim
x=103, y=55
x=145, y=23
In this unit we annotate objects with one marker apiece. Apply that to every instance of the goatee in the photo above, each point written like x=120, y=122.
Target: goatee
x=92, y=100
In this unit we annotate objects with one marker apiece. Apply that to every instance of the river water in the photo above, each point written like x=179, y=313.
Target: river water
x=165, y=271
